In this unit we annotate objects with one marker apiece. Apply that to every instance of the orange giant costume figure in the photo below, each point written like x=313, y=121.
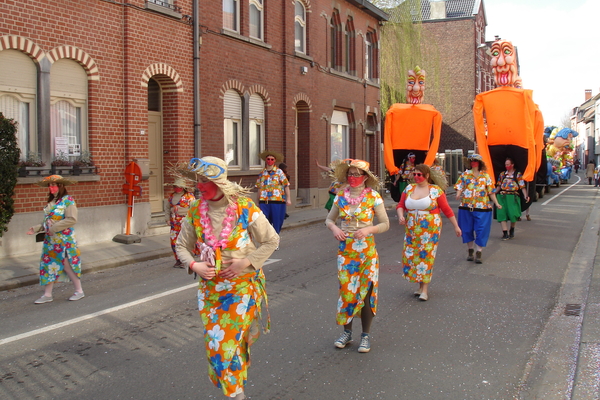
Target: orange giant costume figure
x=513, y=126
x=411, y=128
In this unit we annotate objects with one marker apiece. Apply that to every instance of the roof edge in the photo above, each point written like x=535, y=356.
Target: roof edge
x=370, y=9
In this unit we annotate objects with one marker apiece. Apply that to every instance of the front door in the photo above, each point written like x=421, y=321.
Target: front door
x=155, y=153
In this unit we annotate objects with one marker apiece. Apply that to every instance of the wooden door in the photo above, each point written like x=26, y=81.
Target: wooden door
x=155, y=154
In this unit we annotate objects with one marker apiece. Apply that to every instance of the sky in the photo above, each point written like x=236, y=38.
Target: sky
x=557, y=48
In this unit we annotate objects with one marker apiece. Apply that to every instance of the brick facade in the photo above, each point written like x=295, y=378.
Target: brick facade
x=122, y=45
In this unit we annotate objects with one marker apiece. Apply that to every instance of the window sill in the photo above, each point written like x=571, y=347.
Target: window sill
x=304, y=56
x=343, y=74
x=235, y=35
x=163, y=10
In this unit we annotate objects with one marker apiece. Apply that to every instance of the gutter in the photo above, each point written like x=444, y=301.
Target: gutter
x=196, y=73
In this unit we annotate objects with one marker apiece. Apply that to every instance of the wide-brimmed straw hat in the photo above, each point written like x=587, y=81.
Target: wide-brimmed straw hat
x=342, y=168
x=215, y=170
x=278, y=156
x=55, y=179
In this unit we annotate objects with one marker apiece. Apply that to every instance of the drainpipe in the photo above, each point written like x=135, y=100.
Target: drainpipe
x=197, y=43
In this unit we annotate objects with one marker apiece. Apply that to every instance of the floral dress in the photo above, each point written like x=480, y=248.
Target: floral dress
x=175, y=218
x=59, y=246
x=357, y=261
x=423, y=229
x=231, y=309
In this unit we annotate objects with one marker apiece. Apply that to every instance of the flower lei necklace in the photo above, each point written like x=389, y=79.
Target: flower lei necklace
x=209, y=238
x=355, y=200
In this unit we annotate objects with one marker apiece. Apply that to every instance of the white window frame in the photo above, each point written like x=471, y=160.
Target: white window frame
x=232, y=128
x=258, y=6
x=300, y=21
x=80, y=105
x=235, y=4
x=256, y=140
x=339, y=136
x=30, y=136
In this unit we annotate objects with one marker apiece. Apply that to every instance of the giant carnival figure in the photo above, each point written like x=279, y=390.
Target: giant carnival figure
x=412, y=133
x=508, y=124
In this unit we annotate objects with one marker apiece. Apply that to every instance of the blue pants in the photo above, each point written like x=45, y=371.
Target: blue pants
x=275, y=213
x=475, y=226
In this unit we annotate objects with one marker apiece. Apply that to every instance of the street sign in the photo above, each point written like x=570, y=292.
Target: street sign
x=133, y=173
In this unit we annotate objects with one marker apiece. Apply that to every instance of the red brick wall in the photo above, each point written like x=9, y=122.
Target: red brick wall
x=123, y=41
x=277, y=70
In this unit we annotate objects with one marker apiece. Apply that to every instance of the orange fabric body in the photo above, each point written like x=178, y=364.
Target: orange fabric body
x=410, y=127
x=512, y=119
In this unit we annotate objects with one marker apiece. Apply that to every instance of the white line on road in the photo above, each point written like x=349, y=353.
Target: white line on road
x=103, y=312
x=555, y=196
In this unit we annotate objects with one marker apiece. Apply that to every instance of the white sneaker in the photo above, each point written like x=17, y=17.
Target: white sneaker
x=43, y=299
x=77, y=296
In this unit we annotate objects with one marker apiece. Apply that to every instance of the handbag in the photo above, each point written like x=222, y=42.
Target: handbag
x=39, y=237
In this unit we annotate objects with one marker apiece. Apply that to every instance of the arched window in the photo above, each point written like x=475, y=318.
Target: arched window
x=232, y=125
x=257, y=135
x=18, y=87
x=350, y=48
x=68, y=107
x=300, y=27
x=256, y=19
x=335, y=29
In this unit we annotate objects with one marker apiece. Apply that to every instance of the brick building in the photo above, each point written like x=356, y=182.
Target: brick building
x=121, y=80
x=455, y=31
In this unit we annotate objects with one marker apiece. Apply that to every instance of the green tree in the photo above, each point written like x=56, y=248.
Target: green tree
x=9, y=159
x=404, y=44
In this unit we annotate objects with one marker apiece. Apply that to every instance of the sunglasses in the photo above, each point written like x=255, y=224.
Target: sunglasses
x=201, y=166
x=270, y=159
x=417, y=174
x=356, y=175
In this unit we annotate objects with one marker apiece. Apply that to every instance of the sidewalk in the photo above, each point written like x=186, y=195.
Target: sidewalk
x=24, y=270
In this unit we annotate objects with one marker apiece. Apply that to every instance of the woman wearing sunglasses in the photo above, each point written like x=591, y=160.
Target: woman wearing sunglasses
x=358, y=262
x=419, y=210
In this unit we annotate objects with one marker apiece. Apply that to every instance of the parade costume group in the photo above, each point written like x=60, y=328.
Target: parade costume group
x=224, y=238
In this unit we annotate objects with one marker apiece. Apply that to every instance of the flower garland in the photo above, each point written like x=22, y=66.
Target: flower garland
x=355, y=200
x=209, y=237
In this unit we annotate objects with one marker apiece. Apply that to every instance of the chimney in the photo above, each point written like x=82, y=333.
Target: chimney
x=437, y=9
x=588, y=94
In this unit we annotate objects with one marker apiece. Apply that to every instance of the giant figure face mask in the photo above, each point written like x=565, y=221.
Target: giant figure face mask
x=504, y=63
x=415, y=86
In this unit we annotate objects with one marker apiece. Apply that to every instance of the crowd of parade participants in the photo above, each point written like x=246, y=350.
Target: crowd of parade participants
x=223, y=237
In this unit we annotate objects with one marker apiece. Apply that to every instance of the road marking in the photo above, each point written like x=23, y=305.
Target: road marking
x=103, y=312
x=555, y=196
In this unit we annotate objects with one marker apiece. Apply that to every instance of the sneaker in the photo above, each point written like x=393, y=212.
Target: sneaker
x=505, y=236
x=478, y=257
x=365, y=343
x=43, y=299
x=469, y=257
x=76, y=296
x=344, y=339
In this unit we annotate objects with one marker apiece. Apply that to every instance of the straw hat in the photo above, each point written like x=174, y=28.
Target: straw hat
x=342, y=169
x=278, y=156
x=475, y=157
x=183, y=183
x=215, y=170
x=55, y=179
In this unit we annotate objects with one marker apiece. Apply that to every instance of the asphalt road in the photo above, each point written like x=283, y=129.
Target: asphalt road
x=137, y=333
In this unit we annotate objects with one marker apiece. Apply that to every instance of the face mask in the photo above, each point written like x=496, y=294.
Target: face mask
x=208, y=189
x=419, y=179
x=53, y=189
x=270, y=163
x=355, y=181
x=177, y=189
x=474, y=164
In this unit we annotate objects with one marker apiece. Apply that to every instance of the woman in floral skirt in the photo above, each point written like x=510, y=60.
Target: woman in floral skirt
x=231, y=292
x=419, y=210
x=358, y=262
x=60, y=255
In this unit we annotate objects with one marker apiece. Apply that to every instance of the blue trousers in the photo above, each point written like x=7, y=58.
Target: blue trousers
x=475, y=226
x=275, y=213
